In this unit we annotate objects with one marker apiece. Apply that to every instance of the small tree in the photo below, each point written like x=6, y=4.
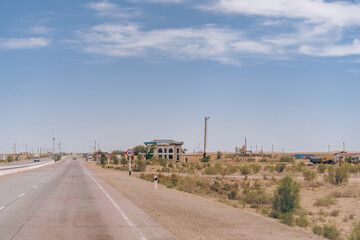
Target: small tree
x=115, y=159
x=205, y=159
x=124, y=161
x=218, y=155
x=286, y=199
x=9, y=158
x=139, y=149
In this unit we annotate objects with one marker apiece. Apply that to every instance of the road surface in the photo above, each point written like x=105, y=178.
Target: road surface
x=67, y=201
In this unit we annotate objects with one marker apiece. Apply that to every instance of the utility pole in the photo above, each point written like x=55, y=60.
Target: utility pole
x=272, y=150
x=283, y=150
x=95, y=146
x=59, y=148
x=344, y=146
x=14, y=148
x=256, y=149
x=53, y=142
x=26, y=148
x=206, y=118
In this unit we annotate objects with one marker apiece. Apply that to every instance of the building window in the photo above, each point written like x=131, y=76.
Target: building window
x=165, y=150
x=165, y=156
x=177, y=158
x=185, y=159
x=171, y=150
x=178, y=150
x=171, y=156
x=160, y=156
x=160, y=150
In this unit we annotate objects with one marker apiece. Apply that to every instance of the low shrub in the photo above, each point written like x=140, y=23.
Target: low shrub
x=355, y=233
x=280, y=167
x=245, y=170
x=321, y=168
x=286, y=159
x=309, y=175
x=302, y=221
x=324, y=202
x=331, y=232
x=255, y=168
x=335, y=213
x=318, y=230
x=339, y=175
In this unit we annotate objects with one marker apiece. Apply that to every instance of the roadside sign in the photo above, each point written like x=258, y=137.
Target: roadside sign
x=130, y=153
x=108, y=155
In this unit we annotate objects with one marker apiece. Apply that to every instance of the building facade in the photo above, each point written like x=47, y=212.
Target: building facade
x=167, y=149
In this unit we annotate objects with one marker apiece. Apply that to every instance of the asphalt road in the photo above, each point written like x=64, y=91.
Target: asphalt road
x=25, y=162
x=67, y=201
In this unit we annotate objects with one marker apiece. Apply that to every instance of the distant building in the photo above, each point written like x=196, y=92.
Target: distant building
x=168, y=149
x=343, y=155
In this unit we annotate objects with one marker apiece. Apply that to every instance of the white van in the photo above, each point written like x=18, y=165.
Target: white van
x=36, y=158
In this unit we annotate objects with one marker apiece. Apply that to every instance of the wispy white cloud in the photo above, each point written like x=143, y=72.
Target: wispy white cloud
x=160, y=1
x=24, y=43
x=333, y=50
x=40, y=30
x=315, y=23
x=341, y=13
x=108, y=9
x=206, y=42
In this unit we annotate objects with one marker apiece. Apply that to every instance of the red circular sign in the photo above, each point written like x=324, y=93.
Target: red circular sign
x=130, y=153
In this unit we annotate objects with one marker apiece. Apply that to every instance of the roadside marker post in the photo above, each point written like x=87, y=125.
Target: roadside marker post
x=130, y=154
x=155, y=181
x=108, y=157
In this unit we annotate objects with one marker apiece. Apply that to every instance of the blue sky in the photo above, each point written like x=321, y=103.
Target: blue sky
x=280, y=72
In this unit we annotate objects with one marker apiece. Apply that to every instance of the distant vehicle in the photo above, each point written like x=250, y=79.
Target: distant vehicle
x=74, y=158
x=36, y=158
x=316, y=160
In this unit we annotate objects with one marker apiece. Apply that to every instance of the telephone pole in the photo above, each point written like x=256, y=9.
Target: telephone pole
x=343, y=146
x=206, y=118
x=14, y=148
x=53, y=141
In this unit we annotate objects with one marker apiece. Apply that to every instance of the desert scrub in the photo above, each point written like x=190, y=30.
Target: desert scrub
x=280, y=167
x=321, y=168
x=255, y=168
x=269, y=168
x=339, y=175
x=245, y=170
x=302, y=221
x=286, y=159
x=331, y=232
x=355, y=233
x=309, y=175
x=286, y=200
x=318, y=230
x=325, y=201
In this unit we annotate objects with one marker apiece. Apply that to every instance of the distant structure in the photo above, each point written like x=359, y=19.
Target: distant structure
x=168, y=149
x=243, y=150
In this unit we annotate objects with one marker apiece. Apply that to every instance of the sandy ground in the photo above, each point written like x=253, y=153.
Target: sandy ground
x=192, y=217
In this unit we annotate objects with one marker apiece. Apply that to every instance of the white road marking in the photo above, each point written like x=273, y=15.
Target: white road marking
x=1, y=208
x=129, y=222
x=21, y=195
x=35, y=186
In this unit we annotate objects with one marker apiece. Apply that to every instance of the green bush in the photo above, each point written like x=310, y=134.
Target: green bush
x=321, y=168
x=170, y=165
x=330, y=231
x=245, y=170
x=205, y=159
x=256, y=168
x=280, y=167
x=286, y=159
x=302, y=221
x=115, y=159
x=269, y=168
x=124, y=161
x=339, y=175
x=9, y=158
x=232, y=194
x=318, y=230
x=287, y=218
x=355, y=233
x=309, y=175
x=218, y=155
x=286, y=196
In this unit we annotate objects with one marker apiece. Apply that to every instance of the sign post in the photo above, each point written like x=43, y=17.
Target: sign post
x=155, y=181
x=130, y=154
x=108, y=157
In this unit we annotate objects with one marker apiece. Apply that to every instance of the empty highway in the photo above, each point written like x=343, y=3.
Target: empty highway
x=67, y=201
